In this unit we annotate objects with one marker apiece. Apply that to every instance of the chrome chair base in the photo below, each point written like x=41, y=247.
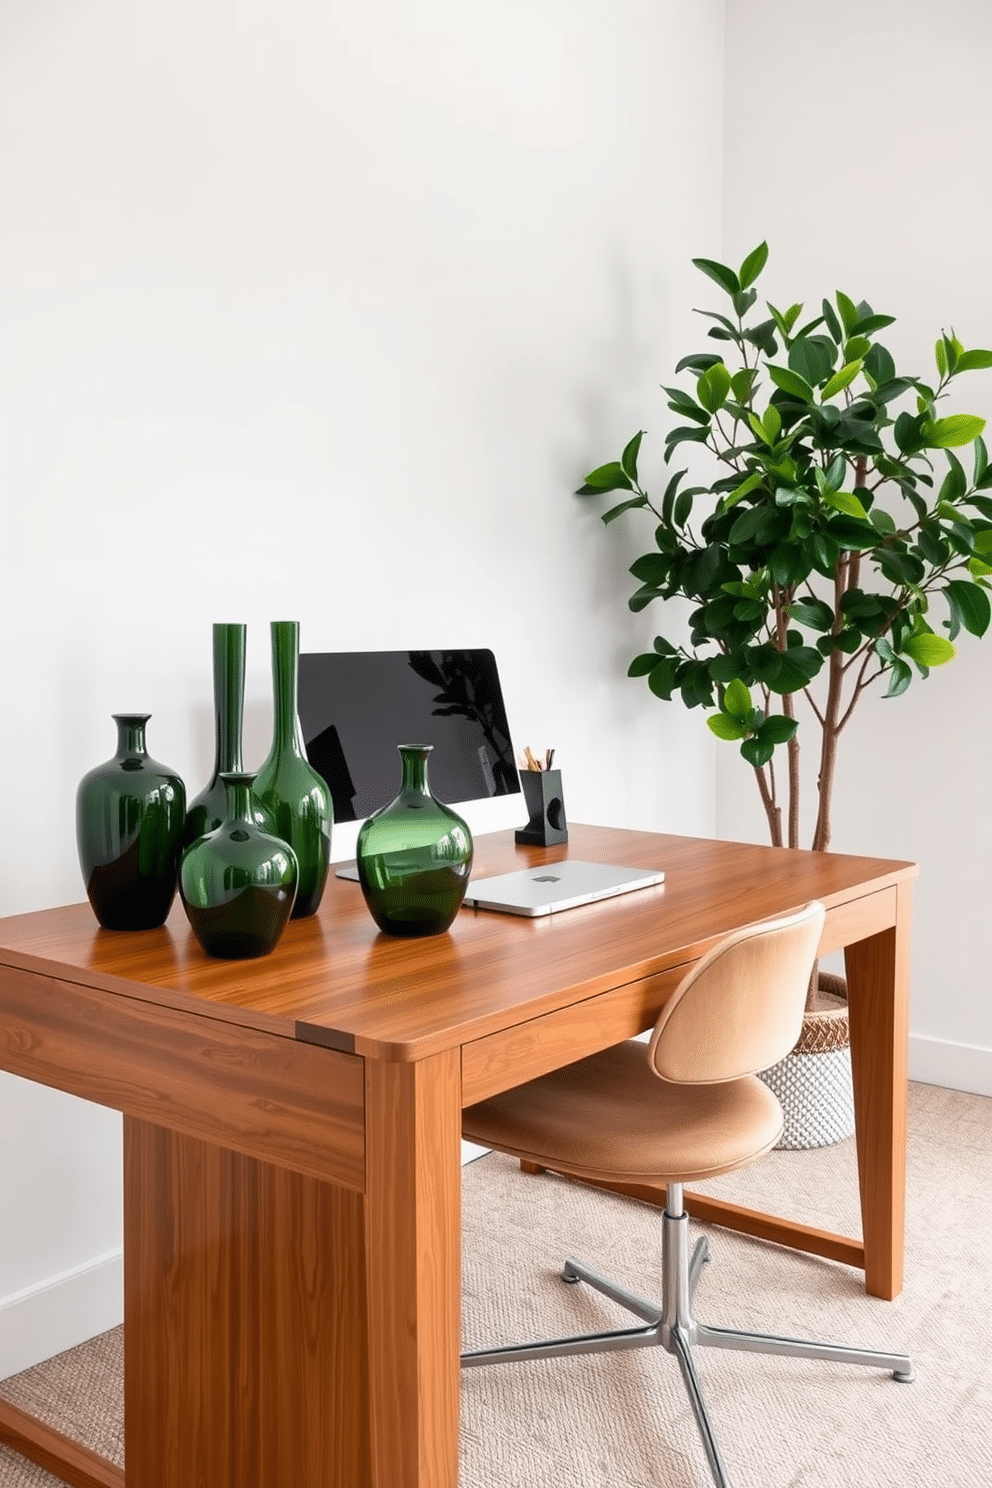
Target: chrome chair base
x=672, y=1326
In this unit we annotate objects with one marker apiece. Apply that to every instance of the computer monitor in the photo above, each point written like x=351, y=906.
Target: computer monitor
x=355, y=707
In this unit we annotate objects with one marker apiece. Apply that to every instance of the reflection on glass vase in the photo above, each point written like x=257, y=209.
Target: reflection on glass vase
x=129, y=822
x=238, y=883
x=414, y=855
x=291, y=800
x=207, y=810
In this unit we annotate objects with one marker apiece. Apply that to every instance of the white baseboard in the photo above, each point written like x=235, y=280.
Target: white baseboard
x=60, y=1312
x=935, y=1061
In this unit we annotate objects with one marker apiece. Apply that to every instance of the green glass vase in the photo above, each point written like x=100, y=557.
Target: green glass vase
x=207, y=810
x=414, y=855
x=238, y=883
x=291, y=800
x=129, y=823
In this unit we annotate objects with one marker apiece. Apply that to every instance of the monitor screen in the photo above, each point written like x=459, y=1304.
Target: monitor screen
x=355, y=707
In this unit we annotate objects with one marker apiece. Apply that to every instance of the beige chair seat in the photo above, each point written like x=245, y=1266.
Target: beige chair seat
x=656, y=1132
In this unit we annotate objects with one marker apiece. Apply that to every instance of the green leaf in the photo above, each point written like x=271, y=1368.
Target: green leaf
x=719, y=273
x=713, y=387
x=683, y=506
x=848, y=313
x=737, y=700
x=628, y=460
x=757, y=751
x=753, y=265
x=611, y=477
x=971, y=605
x=972, y=361
x=947, y=433
x=618, y=511
x=641, y=665
x=668, y=500
x=856, y=349
x=772, y=423
x=900, y=676
x=697, y=362
x=662, y=680
x=929, y=650
x=879, y=365
x=744, y=489
x=866, y=324
x=724, y=727
x=841, y=380
x=791, y=382
x=940, y=356
x=814, y=357
x=777, y=729
x=815, y=613
x=846, y=502
x=981, y=460
x=833, y=324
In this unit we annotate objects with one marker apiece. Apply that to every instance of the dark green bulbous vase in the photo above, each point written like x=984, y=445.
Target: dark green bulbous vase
x=129, y=825
x=414, y=856
x=291, y=800
x=207, y=810
x=238, y=883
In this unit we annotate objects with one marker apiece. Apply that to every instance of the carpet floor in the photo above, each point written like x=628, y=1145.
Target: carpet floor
x=622, y=1419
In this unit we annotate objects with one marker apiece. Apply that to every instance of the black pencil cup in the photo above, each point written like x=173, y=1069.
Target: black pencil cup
x=546, y=808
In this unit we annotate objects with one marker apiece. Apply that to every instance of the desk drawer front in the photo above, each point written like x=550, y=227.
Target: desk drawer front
x=288, y=1103
x=533, y=1048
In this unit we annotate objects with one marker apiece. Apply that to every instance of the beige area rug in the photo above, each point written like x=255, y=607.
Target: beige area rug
x=623, y=1420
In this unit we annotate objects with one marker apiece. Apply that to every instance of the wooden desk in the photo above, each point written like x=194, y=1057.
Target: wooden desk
x=291, y=1137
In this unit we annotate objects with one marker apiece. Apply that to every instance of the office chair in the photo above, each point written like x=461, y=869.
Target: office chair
x=686, y=1107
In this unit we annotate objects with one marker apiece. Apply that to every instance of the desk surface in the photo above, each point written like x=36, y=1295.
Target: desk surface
x=335, y=980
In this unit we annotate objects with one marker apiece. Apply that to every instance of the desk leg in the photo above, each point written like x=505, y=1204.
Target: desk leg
x=244, y=1325
x=878, y=998
x=413, y=1259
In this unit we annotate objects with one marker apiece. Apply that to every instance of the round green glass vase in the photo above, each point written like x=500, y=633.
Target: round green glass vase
x=238, y=883
x=129, y=824
x=291, y=800
x=207, y=810
x=414, y=855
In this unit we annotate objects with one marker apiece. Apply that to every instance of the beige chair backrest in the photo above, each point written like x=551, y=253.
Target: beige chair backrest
x=740, y=1009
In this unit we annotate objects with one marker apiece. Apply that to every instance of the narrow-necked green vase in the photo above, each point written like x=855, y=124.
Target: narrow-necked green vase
x=414, y=855
x=207, y=810
x=129, y=824
x=238, y=883
x=291, y=800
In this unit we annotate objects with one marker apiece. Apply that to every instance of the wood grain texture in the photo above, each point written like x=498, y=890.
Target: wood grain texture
x=334, y=979
x=878, y=1010
x=244, y=1321
x=58, y=1454
x=413, y=1251
x=273, y=1097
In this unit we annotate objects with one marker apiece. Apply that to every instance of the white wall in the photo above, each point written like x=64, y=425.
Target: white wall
x=858, y=145
x=320, y=312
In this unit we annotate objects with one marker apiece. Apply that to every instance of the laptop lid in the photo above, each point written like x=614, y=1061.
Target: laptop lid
x=557, y=886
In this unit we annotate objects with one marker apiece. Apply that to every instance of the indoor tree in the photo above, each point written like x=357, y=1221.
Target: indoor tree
x=840, y=543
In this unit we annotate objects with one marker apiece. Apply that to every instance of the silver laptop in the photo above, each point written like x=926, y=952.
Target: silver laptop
x=558, y=886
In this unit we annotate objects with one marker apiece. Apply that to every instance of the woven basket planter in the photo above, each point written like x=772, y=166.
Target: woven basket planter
x=813, y=1083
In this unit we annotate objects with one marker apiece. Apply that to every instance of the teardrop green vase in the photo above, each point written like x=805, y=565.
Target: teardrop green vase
x=414, y=855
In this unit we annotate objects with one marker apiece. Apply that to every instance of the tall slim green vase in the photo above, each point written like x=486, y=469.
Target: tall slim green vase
x=291, y=800
x=207, y=810
x=414, y=855
x=129, y=824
